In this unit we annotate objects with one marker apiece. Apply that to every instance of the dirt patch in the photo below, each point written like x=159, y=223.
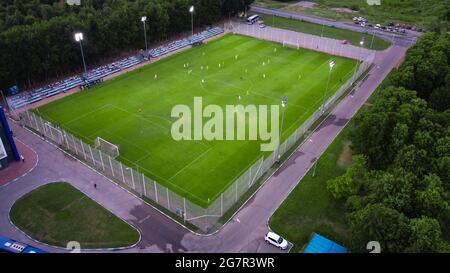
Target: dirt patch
x=345, y=158
x=304, y=4
x=344, y=10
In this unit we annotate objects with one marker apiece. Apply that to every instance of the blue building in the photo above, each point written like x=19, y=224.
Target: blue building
x=8, y=149
x=320, y=244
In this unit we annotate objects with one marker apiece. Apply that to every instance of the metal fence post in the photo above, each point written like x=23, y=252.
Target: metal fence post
x=101, y=159
x=221, y=204
x=132, y=179
x=66, y=139
x=156, y=192
x=237, y=182
x=121, y=170
x=143, y=185
x=92, y=156
x=184, y=209
x=75, y=145
x=110, y=164
x=168, y=202
x=82, y=149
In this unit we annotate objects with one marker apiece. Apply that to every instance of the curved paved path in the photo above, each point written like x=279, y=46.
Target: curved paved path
x=244, y=233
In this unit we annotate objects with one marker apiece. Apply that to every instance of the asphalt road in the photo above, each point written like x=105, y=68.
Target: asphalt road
x=397, y=39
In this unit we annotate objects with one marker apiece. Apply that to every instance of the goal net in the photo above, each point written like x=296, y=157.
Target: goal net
x=107, y=147
x=291, y=44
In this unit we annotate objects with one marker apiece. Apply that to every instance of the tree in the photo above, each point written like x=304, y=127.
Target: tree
x=379, y=223
x=350, y=182
x=396, y=189
x=36, y=37
x=426, y=236
x=431, y=200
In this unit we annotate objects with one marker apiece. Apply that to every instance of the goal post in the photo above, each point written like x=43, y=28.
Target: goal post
x=107, y=147
x=291, y=44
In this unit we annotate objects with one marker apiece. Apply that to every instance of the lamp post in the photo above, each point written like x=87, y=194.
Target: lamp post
x=144, y=20
x=328, y=83
x=284, y=102
x=361, y=43
x=373, y=37
x=79, y=38
x=191, y=10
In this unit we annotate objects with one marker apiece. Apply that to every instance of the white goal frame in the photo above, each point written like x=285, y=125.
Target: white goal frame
x=107, y=147
x=291, y=44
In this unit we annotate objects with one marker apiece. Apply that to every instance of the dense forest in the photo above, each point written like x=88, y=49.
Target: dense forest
x=397, y=190
x=36, y=36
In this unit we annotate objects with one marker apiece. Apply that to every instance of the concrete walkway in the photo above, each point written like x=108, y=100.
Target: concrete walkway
x=244, y=233
x=159, y=233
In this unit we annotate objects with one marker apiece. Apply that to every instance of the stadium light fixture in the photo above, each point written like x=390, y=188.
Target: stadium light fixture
x=284, y=102
x=191, y=10
x=79, y=38
x=332, y=64
x=144, y=20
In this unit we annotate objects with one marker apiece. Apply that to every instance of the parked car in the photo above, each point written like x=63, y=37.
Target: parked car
x=344, y=42
x=276, y=240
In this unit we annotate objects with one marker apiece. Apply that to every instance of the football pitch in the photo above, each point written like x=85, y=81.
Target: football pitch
x=134, y=109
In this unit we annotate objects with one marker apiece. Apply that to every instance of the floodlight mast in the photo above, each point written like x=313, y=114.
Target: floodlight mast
x=79, y=38
x=191, y=10
x=144, y=20
x=331, y=63
x=284, y=102
x=359, y=61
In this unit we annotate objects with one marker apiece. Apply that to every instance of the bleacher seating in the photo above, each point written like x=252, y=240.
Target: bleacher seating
x=98, y=73
x=162, y=50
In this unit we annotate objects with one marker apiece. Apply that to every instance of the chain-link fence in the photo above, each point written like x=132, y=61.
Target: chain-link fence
x=182, y=209
x=302, y=40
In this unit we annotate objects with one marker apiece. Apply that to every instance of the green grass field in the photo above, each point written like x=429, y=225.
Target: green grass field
x=134, y=110
x=423, y=13
x=57, y=213
x=331, y=32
